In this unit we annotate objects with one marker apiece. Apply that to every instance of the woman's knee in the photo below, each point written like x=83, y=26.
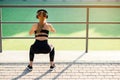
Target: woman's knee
x=52, y=47
x=31, y=49
x=52, y=51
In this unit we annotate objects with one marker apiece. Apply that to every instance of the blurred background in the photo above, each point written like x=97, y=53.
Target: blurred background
x=70, y=24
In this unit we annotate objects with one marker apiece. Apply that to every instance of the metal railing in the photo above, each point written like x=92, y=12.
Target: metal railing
x=62, y=6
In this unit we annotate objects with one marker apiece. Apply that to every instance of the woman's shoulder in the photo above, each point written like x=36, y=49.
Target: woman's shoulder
x=48, y=24
x=35, y=24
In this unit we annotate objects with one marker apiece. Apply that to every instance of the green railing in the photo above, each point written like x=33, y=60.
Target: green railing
x=87, y=22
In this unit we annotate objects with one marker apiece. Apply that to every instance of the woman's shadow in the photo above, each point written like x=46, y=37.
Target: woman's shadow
x=26, y=71
x=38, y=78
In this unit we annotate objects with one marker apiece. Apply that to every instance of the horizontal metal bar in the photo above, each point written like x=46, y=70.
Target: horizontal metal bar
x=63, y=38
x=63, y=22
x=60, y=6
x=49, y=38
x=104, y=38
x=104, y=22
x=48, y=22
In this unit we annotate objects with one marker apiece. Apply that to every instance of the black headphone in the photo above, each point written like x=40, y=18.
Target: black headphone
x=45, y=13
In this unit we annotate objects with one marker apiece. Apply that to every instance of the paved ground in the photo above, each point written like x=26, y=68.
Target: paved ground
x=63, y=72
x=101, y=65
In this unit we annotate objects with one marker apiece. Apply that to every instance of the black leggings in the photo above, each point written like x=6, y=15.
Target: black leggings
x=41, y=47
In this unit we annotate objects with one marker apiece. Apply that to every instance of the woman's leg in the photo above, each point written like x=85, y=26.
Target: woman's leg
x=51, y=55
x=31, y=56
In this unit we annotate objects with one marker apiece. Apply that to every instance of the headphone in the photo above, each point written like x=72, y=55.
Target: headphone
x=45, y=13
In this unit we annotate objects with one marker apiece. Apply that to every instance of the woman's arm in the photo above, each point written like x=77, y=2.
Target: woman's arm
x=32, y=29
x=51, y=28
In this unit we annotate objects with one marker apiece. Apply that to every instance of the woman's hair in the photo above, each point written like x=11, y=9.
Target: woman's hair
x=45, y=13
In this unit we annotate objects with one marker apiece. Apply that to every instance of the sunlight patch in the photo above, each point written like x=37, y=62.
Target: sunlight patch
x=22, y=34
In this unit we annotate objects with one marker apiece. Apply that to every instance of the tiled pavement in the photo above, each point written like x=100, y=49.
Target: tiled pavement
x=66, y=71
x=79, y=68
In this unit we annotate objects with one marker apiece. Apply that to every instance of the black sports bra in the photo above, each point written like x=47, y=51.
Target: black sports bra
x=41, y=31
x=42, y=35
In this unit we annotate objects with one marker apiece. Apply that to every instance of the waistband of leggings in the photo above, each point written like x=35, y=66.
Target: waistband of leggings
x=41, y=40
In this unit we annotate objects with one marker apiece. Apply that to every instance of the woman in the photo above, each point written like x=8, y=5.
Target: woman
x=41, y=31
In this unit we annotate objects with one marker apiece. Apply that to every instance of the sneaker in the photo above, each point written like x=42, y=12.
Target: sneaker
x=29, y=67
x=52, y=67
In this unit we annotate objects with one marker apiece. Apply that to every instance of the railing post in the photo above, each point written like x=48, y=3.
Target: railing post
x=0, y=32
x=87, y=29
